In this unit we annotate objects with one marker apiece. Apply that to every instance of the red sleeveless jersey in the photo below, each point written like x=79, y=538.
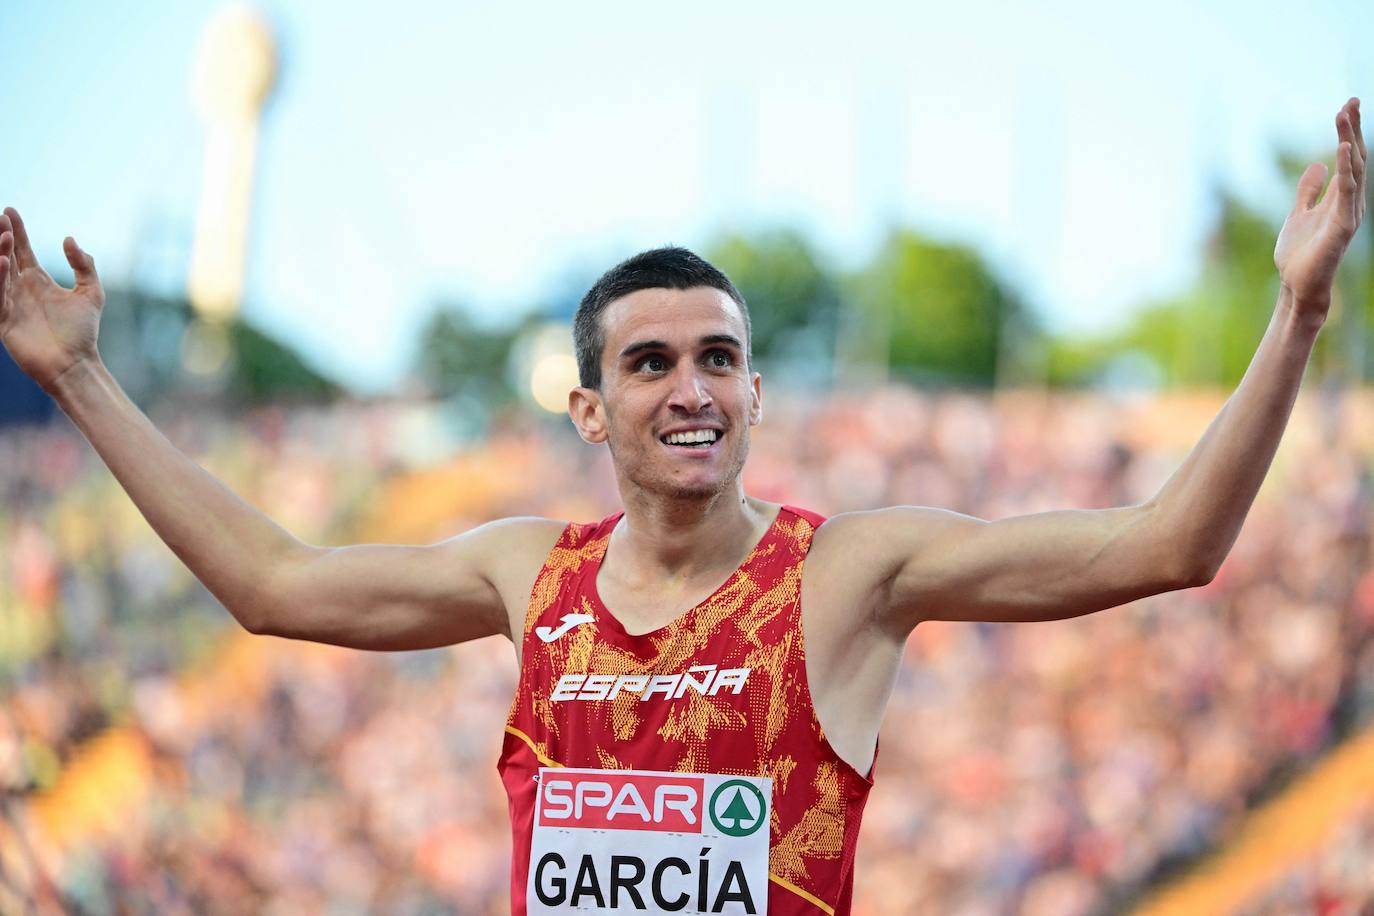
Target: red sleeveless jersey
x=640, y=770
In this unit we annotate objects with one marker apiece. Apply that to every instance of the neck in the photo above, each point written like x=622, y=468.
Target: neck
x=681, y=537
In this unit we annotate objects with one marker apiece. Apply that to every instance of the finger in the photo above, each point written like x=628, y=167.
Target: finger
x=1345, y=129
x=1361, y=155
x=1343, y=185
x=23, y=251
x=1359, y=133
x=6, y=258
x=82, y=263
x=5, y=262
x=1310, y=186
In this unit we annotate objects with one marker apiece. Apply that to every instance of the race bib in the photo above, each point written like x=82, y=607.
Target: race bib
x=640, y=841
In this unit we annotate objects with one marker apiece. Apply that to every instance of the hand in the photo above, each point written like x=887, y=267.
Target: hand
x=46, y=328
x=1315, y=235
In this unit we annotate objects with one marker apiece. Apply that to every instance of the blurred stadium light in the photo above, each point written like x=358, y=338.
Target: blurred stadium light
x=235, y=69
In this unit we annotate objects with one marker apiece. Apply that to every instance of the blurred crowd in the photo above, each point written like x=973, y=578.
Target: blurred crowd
x=1053, y=768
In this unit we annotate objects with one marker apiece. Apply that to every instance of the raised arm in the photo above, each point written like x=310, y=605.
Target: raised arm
x=366, y=596
x=926, y=564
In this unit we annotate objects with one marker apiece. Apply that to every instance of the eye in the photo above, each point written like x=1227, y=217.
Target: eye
x=719, y=359
x=653, y=363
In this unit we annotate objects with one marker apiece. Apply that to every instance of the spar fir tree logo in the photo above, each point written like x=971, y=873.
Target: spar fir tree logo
x=737, y=808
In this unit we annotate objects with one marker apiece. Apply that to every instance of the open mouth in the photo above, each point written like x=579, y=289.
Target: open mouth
x=696, y=439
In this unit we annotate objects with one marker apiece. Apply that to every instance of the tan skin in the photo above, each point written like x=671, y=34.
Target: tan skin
x=673, y=361
x=870, y=578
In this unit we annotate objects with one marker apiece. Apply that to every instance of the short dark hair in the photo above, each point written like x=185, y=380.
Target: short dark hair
x=658, y=268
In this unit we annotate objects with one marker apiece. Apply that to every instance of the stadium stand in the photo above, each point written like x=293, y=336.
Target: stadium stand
x=153, y=754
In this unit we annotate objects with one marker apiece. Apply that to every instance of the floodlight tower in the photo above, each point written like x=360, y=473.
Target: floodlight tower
x=235, y=69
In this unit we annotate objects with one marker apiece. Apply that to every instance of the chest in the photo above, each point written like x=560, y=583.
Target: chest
x=716, y=691
x=644, y=609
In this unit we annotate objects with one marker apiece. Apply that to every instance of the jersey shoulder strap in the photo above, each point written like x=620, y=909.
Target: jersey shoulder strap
x=579, y=543
x=815, y=518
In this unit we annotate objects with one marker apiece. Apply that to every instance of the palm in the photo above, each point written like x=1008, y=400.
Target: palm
x=45, y=327
x=1315, y=235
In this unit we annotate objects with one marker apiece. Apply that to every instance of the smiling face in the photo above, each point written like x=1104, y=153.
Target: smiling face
x=676, y=398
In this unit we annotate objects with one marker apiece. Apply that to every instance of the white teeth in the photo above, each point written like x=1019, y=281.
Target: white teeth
x=696, y=435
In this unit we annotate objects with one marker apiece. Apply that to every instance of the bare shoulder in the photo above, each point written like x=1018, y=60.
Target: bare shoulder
x=857, y=559
x=406, y=596
x=873, y=544
x=522, y=534
x=844, y=570
x=507, y=553
x=505, y=546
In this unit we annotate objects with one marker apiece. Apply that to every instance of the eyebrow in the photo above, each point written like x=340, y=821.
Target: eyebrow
x=729, y=339
x=642, y=345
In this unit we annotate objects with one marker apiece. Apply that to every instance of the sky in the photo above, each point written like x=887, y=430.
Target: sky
x=501, y=155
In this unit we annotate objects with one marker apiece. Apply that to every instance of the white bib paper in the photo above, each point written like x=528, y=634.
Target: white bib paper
x=642, y=841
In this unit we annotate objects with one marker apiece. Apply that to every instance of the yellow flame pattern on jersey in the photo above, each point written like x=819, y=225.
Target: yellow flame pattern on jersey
x=768, y=729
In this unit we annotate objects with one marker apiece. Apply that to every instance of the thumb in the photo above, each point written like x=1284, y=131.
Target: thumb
x=82, y=263
x=1310, y=186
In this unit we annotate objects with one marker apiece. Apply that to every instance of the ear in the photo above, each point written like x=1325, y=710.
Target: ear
x=756, y=400
x=588, y=414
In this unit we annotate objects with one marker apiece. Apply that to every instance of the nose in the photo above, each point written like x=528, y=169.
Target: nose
x=689, y=392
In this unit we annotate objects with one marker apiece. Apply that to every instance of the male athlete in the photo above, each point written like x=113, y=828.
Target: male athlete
x=702, y=676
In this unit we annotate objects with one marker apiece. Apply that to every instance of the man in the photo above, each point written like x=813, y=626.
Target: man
x=686, y=680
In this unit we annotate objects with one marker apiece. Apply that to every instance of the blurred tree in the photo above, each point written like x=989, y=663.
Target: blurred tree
x=265, y=369
x=1207, y=334
x=143, y=339
x=793, y=298
x=938, y=311
x=455, y=356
